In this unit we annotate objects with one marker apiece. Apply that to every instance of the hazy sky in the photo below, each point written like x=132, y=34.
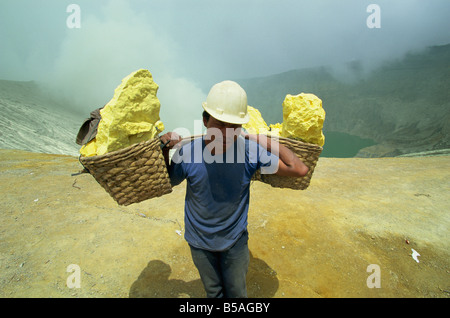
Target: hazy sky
x=191, y=43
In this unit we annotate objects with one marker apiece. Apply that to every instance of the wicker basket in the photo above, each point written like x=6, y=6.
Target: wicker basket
x=132, y=174
x=139, y=172
x=308, y=153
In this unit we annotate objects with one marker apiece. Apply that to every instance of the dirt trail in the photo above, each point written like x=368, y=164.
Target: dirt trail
x=313, y=243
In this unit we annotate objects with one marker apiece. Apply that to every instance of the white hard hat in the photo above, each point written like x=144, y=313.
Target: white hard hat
x=227, y=102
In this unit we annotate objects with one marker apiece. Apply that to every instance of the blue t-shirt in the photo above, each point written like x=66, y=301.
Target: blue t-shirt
x=218, y=189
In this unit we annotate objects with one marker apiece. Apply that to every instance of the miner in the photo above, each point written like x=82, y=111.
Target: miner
x=218, y=168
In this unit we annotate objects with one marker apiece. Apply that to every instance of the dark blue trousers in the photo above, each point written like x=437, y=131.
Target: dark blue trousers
x=224, y=273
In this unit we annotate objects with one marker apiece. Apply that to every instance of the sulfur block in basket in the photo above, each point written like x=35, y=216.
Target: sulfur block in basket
x=131, y=116
x=256, y=124
x=301, y=132
x=303, y=118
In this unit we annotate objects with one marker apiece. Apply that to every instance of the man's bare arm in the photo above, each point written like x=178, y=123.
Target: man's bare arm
x=289, y=164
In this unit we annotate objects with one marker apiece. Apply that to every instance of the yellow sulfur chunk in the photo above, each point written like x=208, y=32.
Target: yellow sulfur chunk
x=131, y=116
x=89, y=149
x=256, y=124
x=303, y=118
x=276, y=129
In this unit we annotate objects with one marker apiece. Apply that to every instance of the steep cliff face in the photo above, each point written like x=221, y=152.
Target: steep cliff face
x=31, y=120
x=403, y=106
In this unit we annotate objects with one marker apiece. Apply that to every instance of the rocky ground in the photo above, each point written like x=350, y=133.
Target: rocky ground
x=319, y=242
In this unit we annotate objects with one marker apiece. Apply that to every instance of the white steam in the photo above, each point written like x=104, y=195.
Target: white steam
x=95, y=58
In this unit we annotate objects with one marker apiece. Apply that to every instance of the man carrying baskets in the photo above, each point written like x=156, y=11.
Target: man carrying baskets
x=218, y=168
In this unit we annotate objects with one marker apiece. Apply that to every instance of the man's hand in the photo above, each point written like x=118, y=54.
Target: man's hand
x=170, y=139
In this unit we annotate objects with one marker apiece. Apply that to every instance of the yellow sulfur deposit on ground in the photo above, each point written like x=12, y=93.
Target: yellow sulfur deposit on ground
x=131, y=116
x=303, y=118
x=256, y=124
